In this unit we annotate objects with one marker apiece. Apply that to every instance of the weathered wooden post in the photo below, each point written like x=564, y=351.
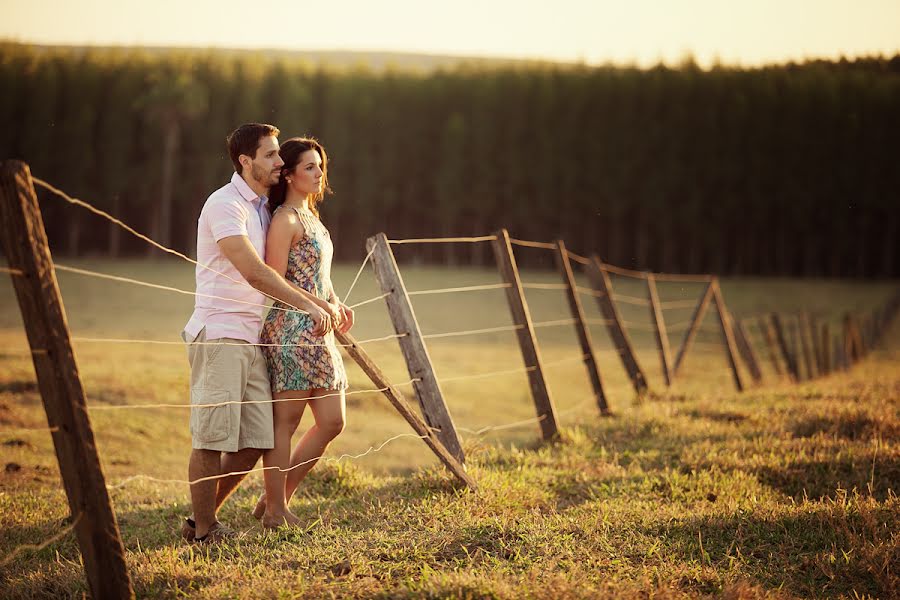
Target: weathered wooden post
x=659, y=329
x=581, y=326
x=602, y=286
x=825, y=343
x=792, y=327
x=745, y=347
x=412, y=345
x=727, y=335
x=396, y=399
x=768, y=331
x=790, y=359
x=803, y=332
x=540, y=393
x=815, y=332
x=25, y=244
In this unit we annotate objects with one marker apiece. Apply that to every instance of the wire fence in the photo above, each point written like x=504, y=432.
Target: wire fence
x=698, y=328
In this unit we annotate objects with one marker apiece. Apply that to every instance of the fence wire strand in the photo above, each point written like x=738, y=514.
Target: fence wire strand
x=483, y=238
x=358, y=273
x=38, y=547
x=530, y=244
x=167, y=288
x=452, y=290
x=371, y=450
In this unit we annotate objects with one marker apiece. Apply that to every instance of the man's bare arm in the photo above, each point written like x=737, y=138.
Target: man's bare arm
x=242, y=254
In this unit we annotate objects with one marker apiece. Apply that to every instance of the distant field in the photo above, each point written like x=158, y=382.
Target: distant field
x=619, y=504
x=142, y=373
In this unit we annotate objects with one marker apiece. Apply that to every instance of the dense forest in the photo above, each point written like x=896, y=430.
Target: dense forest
x=781, y=170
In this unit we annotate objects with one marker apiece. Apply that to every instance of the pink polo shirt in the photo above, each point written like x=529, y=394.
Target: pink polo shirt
x=233, y=209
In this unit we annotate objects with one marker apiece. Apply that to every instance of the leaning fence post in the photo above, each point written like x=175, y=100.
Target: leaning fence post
x=659, y=328
x=825, y=343
x=814, y=332
x=727, y=335
x=790, y=359
x=793, y=329
x=581, y=327
x=691, y=333
x=540, y=393
x=412, y=345
x=768, y=331
x=803, y=332
x=745, y=347
x=599, y=279
x=394, y=396
x=25, y=244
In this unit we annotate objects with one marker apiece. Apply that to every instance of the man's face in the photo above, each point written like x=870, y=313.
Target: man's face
x=265, y=168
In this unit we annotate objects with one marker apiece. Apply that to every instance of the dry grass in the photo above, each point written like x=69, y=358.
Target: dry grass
x=784, y=491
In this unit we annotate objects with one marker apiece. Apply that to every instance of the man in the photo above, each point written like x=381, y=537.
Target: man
x=231, y=414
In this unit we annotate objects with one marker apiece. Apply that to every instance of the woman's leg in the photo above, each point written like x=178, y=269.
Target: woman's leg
x=330, y=414
x=287, y=416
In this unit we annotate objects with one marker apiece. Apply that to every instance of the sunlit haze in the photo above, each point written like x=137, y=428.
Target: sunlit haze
x=642, y=31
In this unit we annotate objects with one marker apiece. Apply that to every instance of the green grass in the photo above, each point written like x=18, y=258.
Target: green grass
x=782, y=491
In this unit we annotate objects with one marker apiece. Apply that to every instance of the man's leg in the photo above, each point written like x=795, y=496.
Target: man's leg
x=242, y=460
x=204, y=463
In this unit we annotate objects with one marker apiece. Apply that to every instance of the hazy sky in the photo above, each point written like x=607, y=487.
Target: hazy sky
x=746, y=32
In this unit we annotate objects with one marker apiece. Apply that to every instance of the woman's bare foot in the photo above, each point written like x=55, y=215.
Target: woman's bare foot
x=260, y=509
x=273, y=521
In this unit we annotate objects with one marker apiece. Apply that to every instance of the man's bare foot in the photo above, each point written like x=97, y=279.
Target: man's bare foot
x=260, y=509
x=273, y=521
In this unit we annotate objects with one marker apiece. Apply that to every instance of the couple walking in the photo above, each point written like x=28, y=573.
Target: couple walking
x=260, y=236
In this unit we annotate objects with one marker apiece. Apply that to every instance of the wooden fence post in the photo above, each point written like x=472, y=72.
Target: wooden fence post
x=803, y=331
x=815, y=335
x=25, y=244
x=602, y=286
x=727, y=335
x=789, y=358
x=540, y=393
x=839, y=351
x=768, y=331
x=396, y=399
x=853, y=347
x=581, y=327
x=691, y=333
x=745, y=347
x=659, y=328
x=793, y=330
x=825, y=343
x=418, y=361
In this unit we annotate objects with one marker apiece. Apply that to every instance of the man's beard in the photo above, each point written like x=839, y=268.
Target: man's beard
x=260, y=175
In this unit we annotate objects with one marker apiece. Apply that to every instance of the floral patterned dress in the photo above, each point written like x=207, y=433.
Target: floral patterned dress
x=304, y=361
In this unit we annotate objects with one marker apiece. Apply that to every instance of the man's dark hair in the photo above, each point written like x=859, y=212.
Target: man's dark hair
x=245, y=140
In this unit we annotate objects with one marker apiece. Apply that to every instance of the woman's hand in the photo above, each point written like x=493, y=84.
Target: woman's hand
x=322, y=320
x=347, y=319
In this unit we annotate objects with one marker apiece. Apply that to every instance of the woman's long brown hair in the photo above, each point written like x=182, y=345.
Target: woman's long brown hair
x=290, y=152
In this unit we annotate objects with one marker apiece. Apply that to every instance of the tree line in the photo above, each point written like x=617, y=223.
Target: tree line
x=779, y=170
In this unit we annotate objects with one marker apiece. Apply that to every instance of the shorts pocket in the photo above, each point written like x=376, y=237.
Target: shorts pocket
x=210, y=423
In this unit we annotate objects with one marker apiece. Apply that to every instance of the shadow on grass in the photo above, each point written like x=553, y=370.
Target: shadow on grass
x=18, y=386
x=835, y=549
x=854, y=425
x=821, y=479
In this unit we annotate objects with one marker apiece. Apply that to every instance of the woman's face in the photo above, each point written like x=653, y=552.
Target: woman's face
x=306, y=178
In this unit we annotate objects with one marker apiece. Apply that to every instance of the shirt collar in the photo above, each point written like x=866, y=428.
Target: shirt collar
x=245, y=191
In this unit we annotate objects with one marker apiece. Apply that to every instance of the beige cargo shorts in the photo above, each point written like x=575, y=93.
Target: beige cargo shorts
x=231, y=401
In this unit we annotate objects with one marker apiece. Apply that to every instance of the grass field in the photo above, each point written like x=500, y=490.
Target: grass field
x=778, y=492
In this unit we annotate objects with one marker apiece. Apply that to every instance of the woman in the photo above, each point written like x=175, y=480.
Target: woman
x=301, y=365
